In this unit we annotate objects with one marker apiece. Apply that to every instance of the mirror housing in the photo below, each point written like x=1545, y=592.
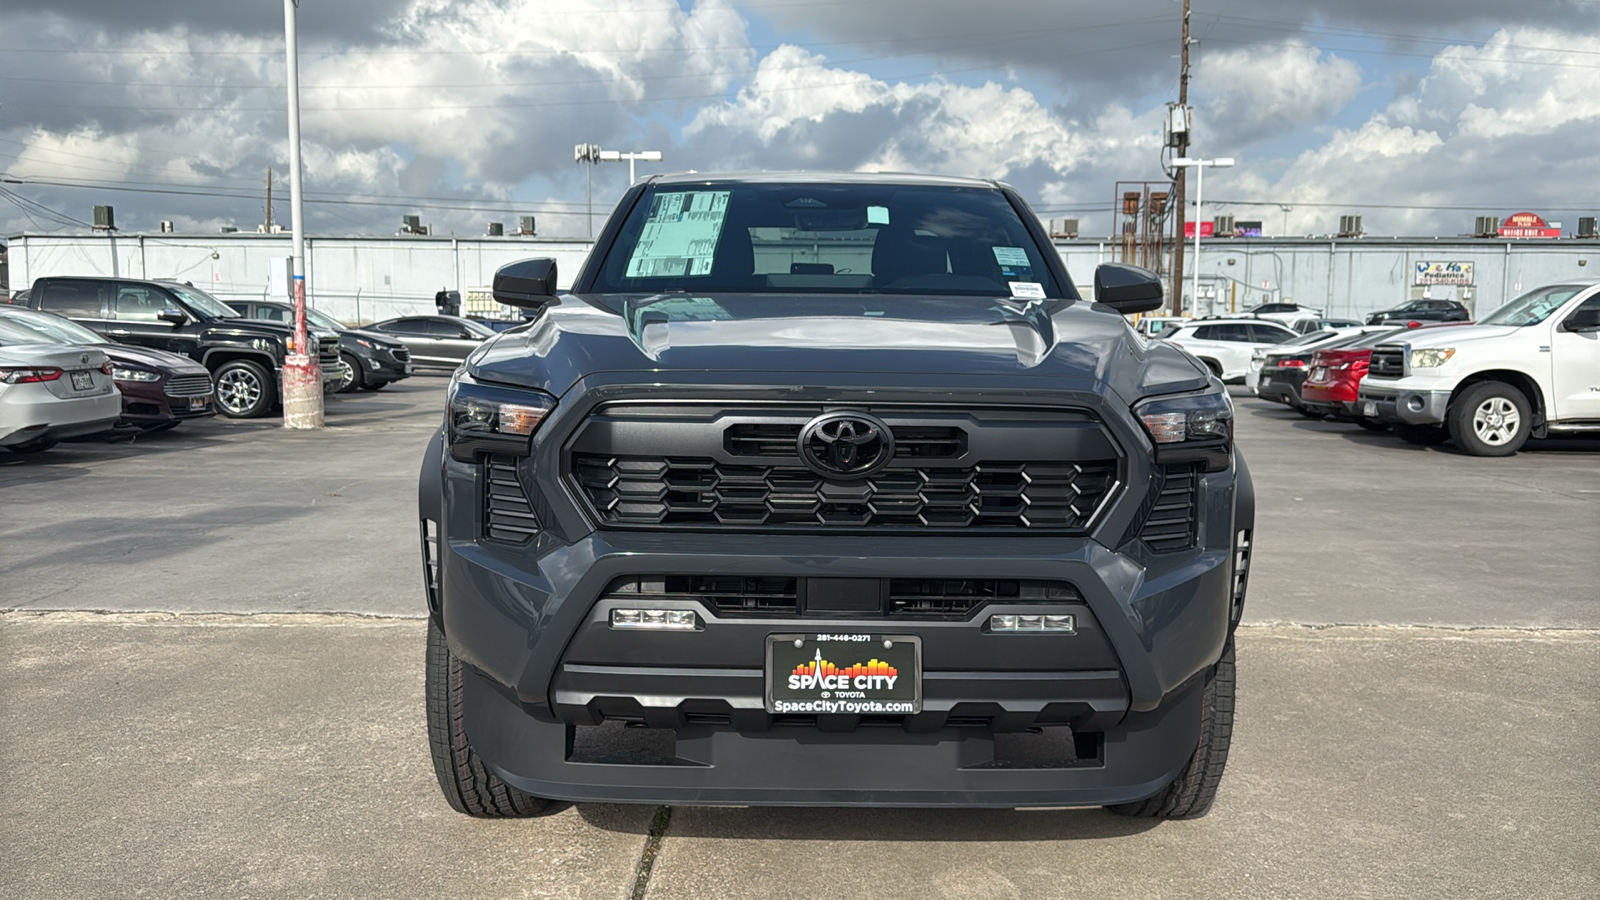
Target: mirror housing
x=1581, y=321
x=174, y=315
x=528, y=283
x=1127, y=289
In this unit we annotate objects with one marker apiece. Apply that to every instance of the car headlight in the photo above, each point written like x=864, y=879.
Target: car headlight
x=1204, y=416
x=1431, y=358
x=118, y=373
x=364, y=342
x=481, y=418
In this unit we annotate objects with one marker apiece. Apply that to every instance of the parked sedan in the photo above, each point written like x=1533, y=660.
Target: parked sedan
x=159, y=389
x=1225, y=345
x=436, y=342
x=1284, y=367
x=367, y=360
x=1421, y=311
x=51, y=391
x=1333, y=384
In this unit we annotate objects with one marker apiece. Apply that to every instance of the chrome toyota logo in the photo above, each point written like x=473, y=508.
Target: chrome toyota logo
x=846, y=443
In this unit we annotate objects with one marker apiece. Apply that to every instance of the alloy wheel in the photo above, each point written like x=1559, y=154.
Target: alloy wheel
x=238, y=390
x=1496, y=421
x=347, y=374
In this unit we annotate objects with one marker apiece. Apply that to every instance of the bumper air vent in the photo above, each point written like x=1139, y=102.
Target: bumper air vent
x=507, y=515
x=727, y=594
x=958, y=598
x=400, y=354
x=1171, y=523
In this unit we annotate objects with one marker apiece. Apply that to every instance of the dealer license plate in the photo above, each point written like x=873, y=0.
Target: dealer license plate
x=83, y=381
x=198, y=403
x=1369, y=409
x=844, y=674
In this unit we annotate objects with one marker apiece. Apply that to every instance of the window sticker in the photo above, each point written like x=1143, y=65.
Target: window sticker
x=1014, y=263
x=877, y=215
x=680, y=235
x=1027, y=290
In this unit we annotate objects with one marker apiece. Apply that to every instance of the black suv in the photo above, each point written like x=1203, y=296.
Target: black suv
x=367, y=360
x=1422, y=311
x=243, y=355
x=831, y=490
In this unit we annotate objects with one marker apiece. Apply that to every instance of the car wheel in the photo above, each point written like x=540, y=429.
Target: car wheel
x=32, y=447
x=1490, y=419
x=1422, y=435
x=350, y=377
x=467, y=783
x=1189, y=796
x=244, y=389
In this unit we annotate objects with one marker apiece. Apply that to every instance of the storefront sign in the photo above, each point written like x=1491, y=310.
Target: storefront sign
x=1527, y=225
x=1443, y=273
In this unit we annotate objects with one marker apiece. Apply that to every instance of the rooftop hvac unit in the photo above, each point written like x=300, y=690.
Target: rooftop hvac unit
x=1587, y=227
x=496, y=229
x=1486, y=226
x=105, y=218
x=525, y=225
x=166, y=226
x=1350, y=227
x=1222, y=226
x=411, y=224
x=1064, y=228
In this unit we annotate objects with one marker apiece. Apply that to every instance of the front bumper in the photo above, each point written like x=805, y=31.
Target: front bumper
x=1421, y=405
x=148, y=403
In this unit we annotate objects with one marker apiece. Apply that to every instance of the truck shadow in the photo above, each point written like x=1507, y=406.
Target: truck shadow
x=889, y=825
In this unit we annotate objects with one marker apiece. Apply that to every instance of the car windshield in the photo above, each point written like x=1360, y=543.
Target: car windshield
x=322, y=320
x=59, y=330
x=202, y=302
x=1532, y=308
x=827, y=238
x=13, y=333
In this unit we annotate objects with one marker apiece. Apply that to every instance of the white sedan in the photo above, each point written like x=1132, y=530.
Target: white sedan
x=50, y=392
x=1225, y=345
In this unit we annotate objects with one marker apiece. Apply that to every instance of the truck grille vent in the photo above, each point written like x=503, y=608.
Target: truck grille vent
x=693, y=492
x=1387, y=362
x=745, y=595
x=959, y=597
x=508, y=515
x=779, y=439
x=731, y=594
x=1171, y=522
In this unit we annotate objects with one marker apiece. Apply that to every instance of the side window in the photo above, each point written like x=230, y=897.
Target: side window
x=1234, y=333
x=240, y=309
x=441, y=329
x=1266, y=334
x=272, y=313
x=136, y=303
x=1203, y=332
x=405, y=326
x=75, y=299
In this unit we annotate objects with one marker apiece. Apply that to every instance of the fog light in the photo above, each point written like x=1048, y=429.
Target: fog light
x=1055, y=624
x=655, y=619
x=1414, y=403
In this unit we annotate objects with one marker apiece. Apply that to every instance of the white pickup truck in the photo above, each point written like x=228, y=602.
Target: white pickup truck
x=1530, y=368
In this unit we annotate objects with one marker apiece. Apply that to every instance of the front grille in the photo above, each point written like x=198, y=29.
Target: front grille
x=508, y=515
x=1387, y=362
x=779, y=439
x=400, y=354
x=328, y=350
x=188, y=386
x=1170, y=524
x=703, y=493
x=747, y=595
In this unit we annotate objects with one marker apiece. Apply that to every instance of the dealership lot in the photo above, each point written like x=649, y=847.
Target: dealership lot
x=160, y=741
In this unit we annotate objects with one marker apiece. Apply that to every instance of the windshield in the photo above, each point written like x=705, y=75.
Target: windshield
x=1532, y=308
x=12, y=333
x=827, y=238
x=322, y=320
x=57, y=329
x=202, y=302
x=477, y=328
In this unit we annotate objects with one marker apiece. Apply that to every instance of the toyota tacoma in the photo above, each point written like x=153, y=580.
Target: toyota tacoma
x=831, y=490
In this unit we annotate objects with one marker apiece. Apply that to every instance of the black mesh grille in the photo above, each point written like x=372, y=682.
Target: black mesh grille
x=1387, y=362
x=400, y=354
x=508, y=516
x=732, y=594
x=188, y=386
x=700, y=492
x=1171, y=522
x=959, y=597
x=779, y=439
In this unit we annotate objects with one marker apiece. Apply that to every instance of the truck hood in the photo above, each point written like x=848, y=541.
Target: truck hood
x=1452, y=336
x=945, y=337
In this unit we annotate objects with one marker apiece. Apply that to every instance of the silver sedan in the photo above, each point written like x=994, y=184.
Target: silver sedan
x=50, y=392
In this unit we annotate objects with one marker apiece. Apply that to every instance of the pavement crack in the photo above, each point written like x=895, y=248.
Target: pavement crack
x=652, y=849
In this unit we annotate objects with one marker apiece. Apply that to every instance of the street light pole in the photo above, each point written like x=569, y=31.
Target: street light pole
x=1200, y=166
x=631, y=157
x=302, y=377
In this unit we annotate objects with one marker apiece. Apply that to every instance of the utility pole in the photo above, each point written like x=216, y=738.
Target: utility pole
x=302, y=377
x=1178, y=181
x=269, y=200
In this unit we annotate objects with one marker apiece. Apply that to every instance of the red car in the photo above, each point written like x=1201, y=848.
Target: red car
x=1333, y=383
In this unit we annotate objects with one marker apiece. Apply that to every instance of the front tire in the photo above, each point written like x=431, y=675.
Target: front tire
x=1190, y=795
x=244, y=389
x=1490, y=419
x=350, y=375
x=467, y=783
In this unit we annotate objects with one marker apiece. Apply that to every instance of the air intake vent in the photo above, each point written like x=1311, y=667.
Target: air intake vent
x=729, y=594
x=762, y=439
x=1171, y=523
x=929, y=442
x=957, y=598
x=507, y=514
x=430, y=563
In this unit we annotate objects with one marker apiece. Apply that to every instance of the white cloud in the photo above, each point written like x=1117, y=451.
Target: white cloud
x=1249, y=94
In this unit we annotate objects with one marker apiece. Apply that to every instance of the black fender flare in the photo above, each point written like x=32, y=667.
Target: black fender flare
x=430, y=508
x=1244, y=526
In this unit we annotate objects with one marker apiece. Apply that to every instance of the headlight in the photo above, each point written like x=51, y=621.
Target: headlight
x=365, y=343
x=118, y=373
x=1432, y=358
x=480, y=418
x=1206, y=416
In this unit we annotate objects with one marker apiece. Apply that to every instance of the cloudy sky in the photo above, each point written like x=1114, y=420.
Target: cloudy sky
x=1419, y=114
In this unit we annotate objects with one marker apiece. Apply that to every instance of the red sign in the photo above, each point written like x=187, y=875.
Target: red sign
x=1527, y=225
x=1207, y=229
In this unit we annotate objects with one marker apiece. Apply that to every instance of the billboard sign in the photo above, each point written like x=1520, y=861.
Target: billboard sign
x=1457, y=273
x=1245, y=229
x=1527, y=225
x=1207, y=229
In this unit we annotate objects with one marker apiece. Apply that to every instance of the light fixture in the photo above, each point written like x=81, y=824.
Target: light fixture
x=1039, y=624
x=655, y=619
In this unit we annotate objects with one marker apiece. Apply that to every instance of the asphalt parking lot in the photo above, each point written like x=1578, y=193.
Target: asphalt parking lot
x=211, y=652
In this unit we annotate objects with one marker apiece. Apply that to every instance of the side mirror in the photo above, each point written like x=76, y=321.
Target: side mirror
x=528, y=283
x=1582, y=320
x=1127, y=289
x=173, y=315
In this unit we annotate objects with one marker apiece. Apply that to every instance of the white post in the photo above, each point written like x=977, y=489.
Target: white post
x=1199, y=221
x=302, y=376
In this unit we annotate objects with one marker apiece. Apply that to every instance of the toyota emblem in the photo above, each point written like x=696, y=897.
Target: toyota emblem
x=850, y=444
